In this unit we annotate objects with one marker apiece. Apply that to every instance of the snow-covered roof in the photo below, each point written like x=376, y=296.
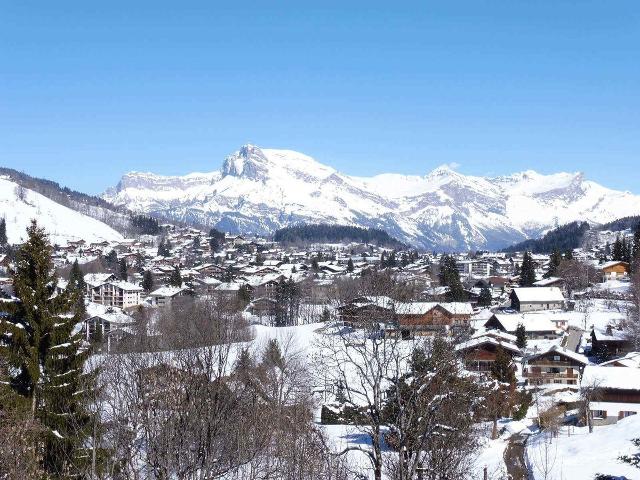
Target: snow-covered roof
x=612, y=264
x=420, y=308
x=532, y=323
x=607, y=377
x=127, y=286
x=484, y=340
x=630, y=360
x=97, y=279
x=539, y=294
x=167, y=291
x=562, y=351
x=547, y=281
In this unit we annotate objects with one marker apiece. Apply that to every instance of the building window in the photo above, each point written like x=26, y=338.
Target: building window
x=599, y=413
x=556, y=358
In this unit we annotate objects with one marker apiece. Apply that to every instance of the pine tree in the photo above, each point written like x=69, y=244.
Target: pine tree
x=450, y=277
x=112, y=260
x=485, y=297
x=617, y=252
x=527, y=271
x=76, y=277
x=272, y=355
x=147, y=281
x=521, y=336
x=3, y=232
x=45, y=357
x=76, y=283
x=122, y=269
x=554, y=263
x=164, y=248
x=350, y=266
x=175, y=280
x=502, y=369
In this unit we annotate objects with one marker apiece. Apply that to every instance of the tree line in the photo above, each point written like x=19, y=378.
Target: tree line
x=323, y=232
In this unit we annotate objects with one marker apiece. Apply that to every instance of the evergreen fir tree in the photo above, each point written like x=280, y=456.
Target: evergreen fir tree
x=76, y=277
x=45, y=357
x=527, y=271
x=164, y=248
x=554, y=263
x=175, y=279
x=244, y=294
x=617, y=252
x=77, y=284
x=485, y=297
x=502, y=369
x=450, y=277
x=3, y=232
x=350, y=265
x=147, y=281
x=272, y=355
x=521, y=336
x=112, y=260
x=122, y=269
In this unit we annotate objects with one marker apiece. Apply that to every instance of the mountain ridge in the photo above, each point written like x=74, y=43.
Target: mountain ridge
x=258, y=190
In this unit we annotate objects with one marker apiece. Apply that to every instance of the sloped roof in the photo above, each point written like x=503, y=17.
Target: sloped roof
x=607, y=377
x=539, y=294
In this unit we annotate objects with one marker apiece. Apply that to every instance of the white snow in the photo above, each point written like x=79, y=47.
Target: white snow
x=60, y=223
x=270, y=188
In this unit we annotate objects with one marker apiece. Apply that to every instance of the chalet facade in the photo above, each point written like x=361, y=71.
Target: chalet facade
x=479, y=354
x=537, y=326
x=615, y=270
x=428, y=317
x=616, y=395
x=536, y=298
x=557, y=365
x=610, y=342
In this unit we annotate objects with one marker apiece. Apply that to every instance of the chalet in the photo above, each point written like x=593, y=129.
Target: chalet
x=614, y=270
x=630, y=360
x=103, y=322
x=365, y=310
x=616, y=394
x=430, y=317
x=479, y=353
x=550, y=282
x=164, y=295
x=536, y=298
x=536, y=326
x=105, y=289
x=206, y=285
x=262, y=307
x=611, y=341
x=556, y=365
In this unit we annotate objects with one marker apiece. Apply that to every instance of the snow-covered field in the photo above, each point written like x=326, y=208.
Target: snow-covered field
x=577, y=454
x=61, y=223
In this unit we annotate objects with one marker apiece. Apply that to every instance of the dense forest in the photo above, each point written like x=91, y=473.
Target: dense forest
x=335, y=233
x=561, y=239
x=626, y=223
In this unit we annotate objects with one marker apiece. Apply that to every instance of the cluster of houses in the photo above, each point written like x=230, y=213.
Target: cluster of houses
x=563, y=350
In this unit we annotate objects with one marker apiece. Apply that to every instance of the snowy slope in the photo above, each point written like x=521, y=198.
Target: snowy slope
x=582, y=455
x=61, y=223
x=259, y=190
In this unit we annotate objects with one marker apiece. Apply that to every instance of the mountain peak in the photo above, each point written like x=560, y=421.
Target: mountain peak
x=246, y=162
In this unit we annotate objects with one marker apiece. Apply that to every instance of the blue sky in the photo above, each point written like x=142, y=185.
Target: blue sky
x=90, y=90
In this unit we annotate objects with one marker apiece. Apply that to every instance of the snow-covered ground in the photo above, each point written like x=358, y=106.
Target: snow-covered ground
x=61, y=223
x=576, y=453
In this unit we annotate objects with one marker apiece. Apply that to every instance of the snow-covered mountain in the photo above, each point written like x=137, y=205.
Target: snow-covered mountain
x=259, y=190
x=19, y=205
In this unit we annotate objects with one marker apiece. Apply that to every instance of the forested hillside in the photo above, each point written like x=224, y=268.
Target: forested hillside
x=563, y=238
x=334, y=233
